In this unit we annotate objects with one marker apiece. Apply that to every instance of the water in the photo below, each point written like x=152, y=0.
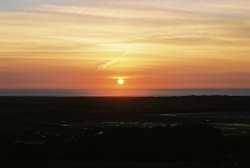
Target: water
x=123, y=92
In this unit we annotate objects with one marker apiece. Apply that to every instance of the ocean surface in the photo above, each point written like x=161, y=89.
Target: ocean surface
x=123, y=92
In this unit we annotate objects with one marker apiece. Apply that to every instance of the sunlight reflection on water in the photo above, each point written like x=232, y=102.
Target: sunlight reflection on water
x=123, y=92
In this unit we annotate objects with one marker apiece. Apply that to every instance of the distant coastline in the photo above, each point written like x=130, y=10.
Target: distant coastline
x=124, y=92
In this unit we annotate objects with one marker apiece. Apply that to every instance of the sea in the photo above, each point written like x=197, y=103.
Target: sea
x=123, y=92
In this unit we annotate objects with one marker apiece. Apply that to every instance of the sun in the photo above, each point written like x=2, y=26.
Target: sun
x=120, y=81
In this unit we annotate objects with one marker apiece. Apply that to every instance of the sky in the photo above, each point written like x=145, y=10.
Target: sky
x=150, y=44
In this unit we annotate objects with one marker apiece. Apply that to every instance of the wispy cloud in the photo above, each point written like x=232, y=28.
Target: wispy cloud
x=109, y=63
x=106, y=64
x=138, y=37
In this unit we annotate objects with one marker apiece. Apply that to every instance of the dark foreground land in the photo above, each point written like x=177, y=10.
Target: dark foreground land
x=192, y=131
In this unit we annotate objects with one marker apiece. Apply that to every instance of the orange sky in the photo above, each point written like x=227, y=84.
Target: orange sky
x=151, y=44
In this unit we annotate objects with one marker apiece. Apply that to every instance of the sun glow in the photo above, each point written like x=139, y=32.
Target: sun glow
x=120, y=81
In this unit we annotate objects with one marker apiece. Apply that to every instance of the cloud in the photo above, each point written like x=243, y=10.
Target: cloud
x=109, y=63
x=106, y=64
x=133, y=36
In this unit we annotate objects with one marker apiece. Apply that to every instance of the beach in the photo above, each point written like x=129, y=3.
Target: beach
x=187, y=129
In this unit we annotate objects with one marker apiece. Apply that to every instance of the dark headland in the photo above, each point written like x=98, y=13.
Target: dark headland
x=189, y=131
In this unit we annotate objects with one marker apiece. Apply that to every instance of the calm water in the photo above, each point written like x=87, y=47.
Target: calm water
x=125, y=92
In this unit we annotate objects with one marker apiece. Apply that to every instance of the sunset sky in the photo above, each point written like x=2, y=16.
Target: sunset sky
x=148, y=43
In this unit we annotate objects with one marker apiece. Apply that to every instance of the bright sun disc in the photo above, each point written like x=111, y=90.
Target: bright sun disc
x=120, y=81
